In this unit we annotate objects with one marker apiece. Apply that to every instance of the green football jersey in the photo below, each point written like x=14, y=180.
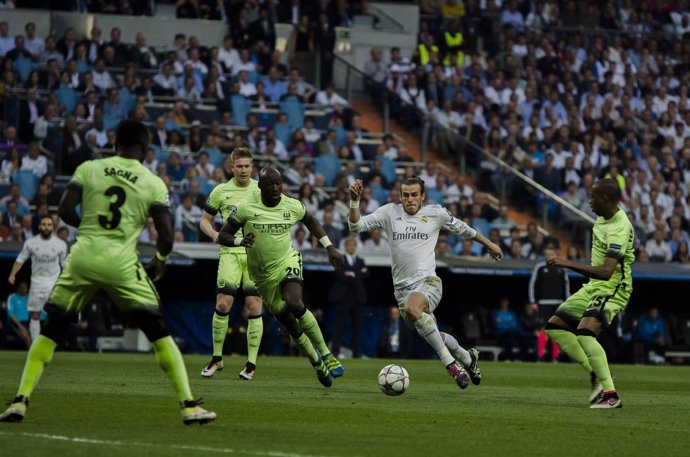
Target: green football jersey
x=117, y=194
x=615, y=238
x=224, y=197
x=272, y=228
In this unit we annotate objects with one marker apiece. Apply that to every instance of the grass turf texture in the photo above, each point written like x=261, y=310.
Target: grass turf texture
x=122, y=405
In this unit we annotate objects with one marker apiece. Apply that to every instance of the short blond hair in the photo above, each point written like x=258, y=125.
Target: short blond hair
x=241, y=153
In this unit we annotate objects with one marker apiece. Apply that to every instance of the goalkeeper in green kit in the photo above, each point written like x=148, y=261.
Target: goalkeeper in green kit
x=579, y=320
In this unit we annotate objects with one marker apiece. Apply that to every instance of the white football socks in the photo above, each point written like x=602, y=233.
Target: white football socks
x=427, y=329
x=34, y=329
x=458, y=351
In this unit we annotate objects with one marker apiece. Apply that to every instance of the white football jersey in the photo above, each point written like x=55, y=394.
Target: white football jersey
x=412, y=239
x=47, y=257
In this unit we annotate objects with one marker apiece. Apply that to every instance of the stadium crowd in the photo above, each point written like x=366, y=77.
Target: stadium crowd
x=563, y=106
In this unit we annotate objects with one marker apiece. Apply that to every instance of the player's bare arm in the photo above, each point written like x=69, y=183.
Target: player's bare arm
x=164, y=243
x=355, y=192
x=68, y=204
x=206, y=226
x=334, y=257
x=13, y=274
x=602, y=272
x=494, y=250
x=226, y=236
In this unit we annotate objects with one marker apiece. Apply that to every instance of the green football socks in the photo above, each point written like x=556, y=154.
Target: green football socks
x=597, y=358
x=569, y=343
x=309, y=325
x=306, y=348
x=40, y=354
x=255, y=329
x=170, y=360
x=220, y=329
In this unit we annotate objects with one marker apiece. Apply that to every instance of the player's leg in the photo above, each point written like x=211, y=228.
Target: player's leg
x=37, y=300
x=600, y=312
x=139, y=298
x=291, y=289
x=70, y=295
x=255, y=323
x=276, y=305
x=255, y=330
x=227, y=282
x=416, y=309
x=292, y=294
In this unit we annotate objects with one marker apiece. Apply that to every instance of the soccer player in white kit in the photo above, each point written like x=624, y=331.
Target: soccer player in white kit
x=412, y=231
x=47, y=253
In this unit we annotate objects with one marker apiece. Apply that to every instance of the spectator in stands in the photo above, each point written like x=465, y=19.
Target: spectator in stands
x=247, y=88
x=11, y=163
x=658, y=248
x=150, y=160
x=324, y=40
x=329, y=98
x=651, y=332
x=327, y=221
x=15, y=196
x=34, y=161
x=165, y=82
x=299, y=240
x=101, y=77
x=29, y=112
x=6, y=40
x=273, y=86
x=34, y=44
x=175, y=170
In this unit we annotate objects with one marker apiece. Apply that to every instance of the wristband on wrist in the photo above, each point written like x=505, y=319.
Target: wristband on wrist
x=354, y=204
x=238, y=241
x=325, y=241
x=160, y=257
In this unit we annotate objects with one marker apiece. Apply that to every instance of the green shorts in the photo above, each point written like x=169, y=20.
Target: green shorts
x=233, y=275
x=594, y=301
x=85, y=273
x=271, y=286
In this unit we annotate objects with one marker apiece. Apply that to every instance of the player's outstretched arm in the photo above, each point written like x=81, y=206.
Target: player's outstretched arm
x=494, y=250
x=314, y=226
x=164, y=243
x=602, y=272
x=67, y=210
x=226, y=236
x=355, y=192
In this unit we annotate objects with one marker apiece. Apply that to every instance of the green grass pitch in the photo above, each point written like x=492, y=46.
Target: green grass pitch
x=122, y=405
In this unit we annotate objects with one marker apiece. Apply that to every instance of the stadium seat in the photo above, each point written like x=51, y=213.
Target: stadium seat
x=379, y=193
x=387, y=168
x=327, y=166
x=28, y=181
x=434, y=196
x=295, y=112
x=159, y=153
x=67, y=97
x=215, y=157
x=23, y=67
x=240, y=106
x=110, y=122
x=284, y=133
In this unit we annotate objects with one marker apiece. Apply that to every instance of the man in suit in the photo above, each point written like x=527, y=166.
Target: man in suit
x=396, y=339
x=29, y=112
x=348, y=295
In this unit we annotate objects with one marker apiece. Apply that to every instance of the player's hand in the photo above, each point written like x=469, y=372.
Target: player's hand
x=12, y=279
x=215, y=237
x=158, y=268
x=248, y=240
x=554, y=261
x=336, y=258
x=495, y=251
x=356, y=190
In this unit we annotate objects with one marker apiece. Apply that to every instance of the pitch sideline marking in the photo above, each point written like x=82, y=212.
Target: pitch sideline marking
x=153, y=445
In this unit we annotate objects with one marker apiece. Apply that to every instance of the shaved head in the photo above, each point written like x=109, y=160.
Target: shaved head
x=608, y=188
x=271, y=186
x=269, y=172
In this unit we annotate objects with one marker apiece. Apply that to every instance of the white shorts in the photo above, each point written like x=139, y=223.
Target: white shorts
x=38, y=298
x=431, y=287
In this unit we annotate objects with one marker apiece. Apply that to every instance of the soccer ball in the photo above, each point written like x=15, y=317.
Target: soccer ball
x=393, y=380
